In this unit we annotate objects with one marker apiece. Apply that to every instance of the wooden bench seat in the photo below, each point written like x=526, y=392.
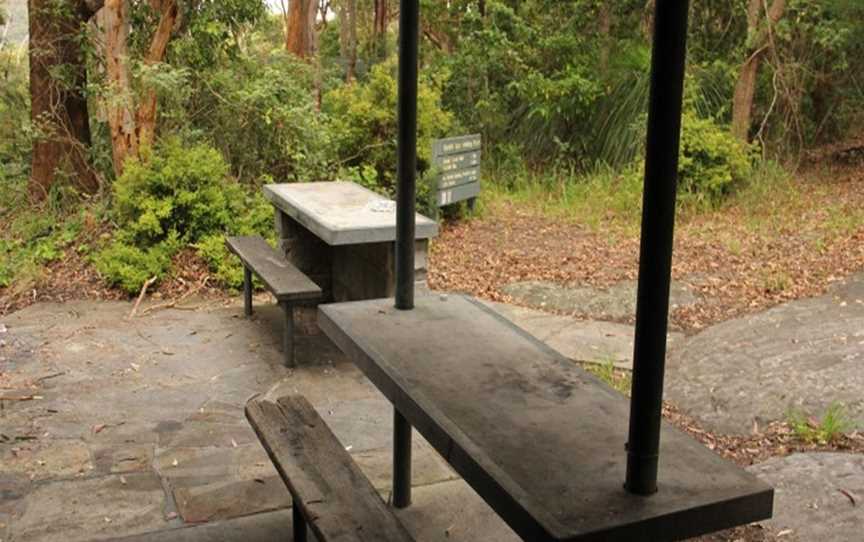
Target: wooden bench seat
x=287, y=283
x=329, y=492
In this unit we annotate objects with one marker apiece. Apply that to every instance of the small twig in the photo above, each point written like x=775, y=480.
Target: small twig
x=47, y=377
x=19, y=397
x=141, y=296
x=173, y=303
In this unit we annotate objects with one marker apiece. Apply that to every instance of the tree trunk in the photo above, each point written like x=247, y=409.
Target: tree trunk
x=481, y=7
x=300, y=27
x=604, y=24
x=648, y=20
x=379, y=28
x=156, y=54
x=59, y=112
x=120, y=104
x=745, y=86
x=348, y=37
x=132, y=127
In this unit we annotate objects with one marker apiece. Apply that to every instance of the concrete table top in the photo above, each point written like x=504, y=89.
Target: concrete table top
x=342, y=213
x=538, y=438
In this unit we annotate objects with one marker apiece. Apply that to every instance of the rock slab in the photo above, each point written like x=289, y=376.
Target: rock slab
x=818, y=496
x=801, y=356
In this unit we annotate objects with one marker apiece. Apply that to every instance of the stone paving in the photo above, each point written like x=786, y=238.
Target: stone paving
x=135, y=427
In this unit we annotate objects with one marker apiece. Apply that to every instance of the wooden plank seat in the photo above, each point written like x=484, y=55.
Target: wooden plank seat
x=287, y=283
x=329, y=492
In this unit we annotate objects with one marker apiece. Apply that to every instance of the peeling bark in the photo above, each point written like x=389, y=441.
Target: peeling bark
x=132, y=125
x=121, y=121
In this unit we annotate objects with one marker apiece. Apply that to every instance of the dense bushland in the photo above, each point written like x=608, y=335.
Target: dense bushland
x=212, y=100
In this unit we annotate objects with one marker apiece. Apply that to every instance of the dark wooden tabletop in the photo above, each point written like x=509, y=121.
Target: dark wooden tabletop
x=541, y=440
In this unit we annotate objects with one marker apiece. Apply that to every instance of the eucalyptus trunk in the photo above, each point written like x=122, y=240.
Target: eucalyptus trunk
x=59, y=112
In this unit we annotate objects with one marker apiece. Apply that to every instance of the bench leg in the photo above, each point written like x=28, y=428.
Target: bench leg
x=299, y=523
x=288, y=334
x=401, y=461
x=247, y=291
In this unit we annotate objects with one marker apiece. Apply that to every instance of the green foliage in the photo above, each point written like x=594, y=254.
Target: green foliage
x=362, y=121
x=712, y=161
x=175, y=196
x=36, y=237
x=15, y=132
x=175, y=191
x=834, y=423
x=617, y=379
x=259, y=111
x=129, y=266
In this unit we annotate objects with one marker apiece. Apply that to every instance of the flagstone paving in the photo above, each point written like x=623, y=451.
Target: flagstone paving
x=114, y=427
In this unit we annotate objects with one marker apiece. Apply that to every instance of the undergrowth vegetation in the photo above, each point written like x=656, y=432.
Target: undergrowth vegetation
x=559, y=92
x=177, y=196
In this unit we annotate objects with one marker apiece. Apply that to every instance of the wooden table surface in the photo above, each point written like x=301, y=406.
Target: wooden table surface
x=540, y=439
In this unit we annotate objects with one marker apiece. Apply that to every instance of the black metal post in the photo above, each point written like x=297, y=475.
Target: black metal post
x=655, y=259
x=299, y=523
x=406, y=173
x=406, y=170
x=401, y=461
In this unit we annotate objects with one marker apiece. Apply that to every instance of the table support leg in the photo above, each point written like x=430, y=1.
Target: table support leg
x=401, y=461
x=247, y=291
x=299, y=524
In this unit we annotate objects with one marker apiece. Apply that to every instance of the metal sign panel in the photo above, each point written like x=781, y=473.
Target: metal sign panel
x=457, y=160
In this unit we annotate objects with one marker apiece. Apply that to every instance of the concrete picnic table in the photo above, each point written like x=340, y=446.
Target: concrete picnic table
x=343, y=237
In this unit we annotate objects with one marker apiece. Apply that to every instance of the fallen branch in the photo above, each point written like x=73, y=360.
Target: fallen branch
x=141, y=296
x=173, y=303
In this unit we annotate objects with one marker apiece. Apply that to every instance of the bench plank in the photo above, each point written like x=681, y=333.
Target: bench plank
x=286, y=282
x=336, y=499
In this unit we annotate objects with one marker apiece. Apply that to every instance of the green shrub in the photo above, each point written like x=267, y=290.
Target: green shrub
x=260, y=112
x=175, y=190
x=129, y=266
x=712, y=161
x=362, y=121
x=178, y=196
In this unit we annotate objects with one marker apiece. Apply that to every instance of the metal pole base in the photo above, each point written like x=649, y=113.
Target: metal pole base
x=401, y=461
x=299, y=524
x=288, y=333
x=247, y=291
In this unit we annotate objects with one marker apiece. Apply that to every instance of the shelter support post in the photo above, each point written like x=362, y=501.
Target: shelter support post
x=406, y=174
x=406, y=169
x=401, y=461
x=655, y=259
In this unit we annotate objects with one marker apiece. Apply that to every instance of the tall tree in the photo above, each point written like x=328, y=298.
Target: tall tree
x=300, y=27
x=348, y=37
x=132, y=121
x=759, y=25
x=379, y=28
x=58, y=77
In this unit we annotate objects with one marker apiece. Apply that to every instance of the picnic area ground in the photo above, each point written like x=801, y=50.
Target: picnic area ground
x=119, y=421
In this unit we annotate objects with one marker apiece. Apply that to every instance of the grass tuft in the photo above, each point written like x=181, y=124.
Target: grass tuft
x=834, y=423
